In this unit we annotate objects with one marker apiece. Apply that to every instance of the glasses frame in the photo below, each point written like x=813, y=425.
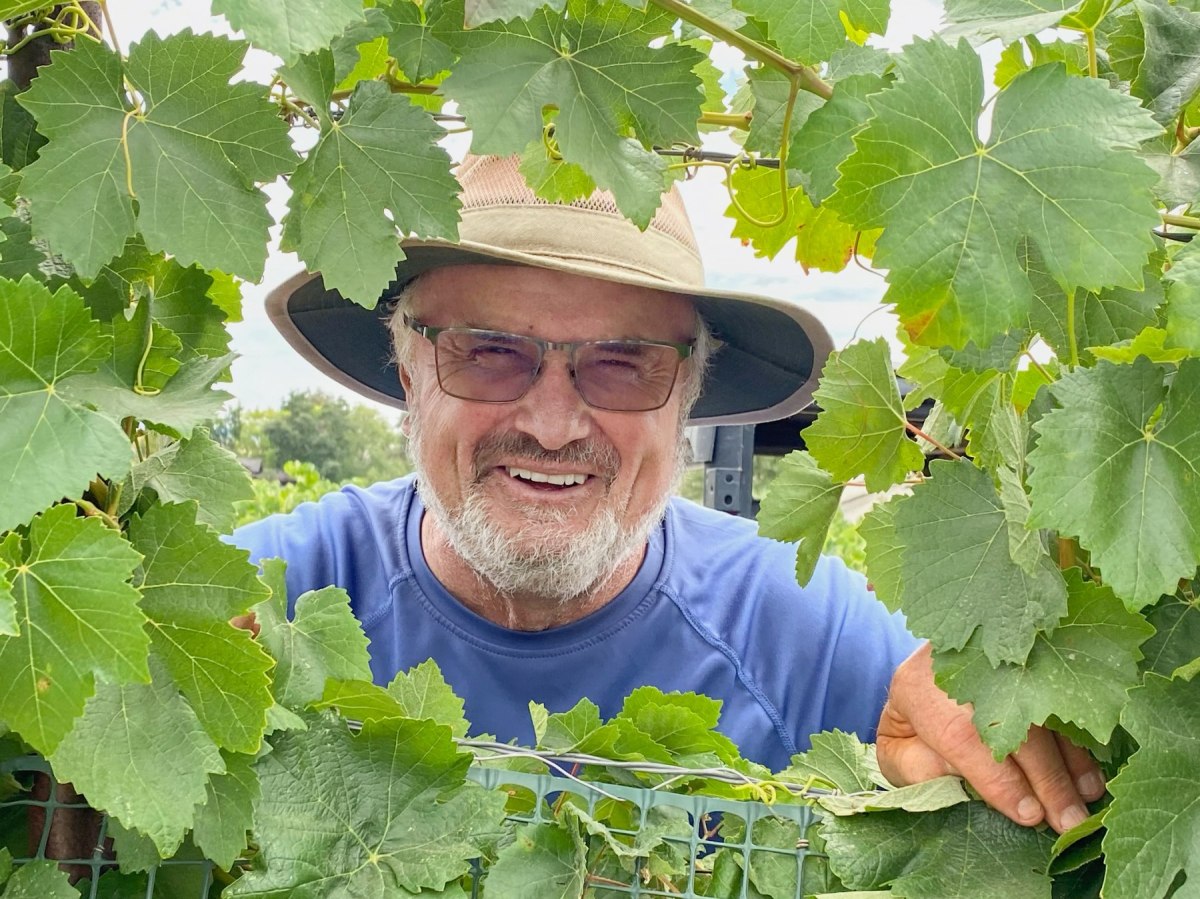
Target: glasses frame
x=430, y=333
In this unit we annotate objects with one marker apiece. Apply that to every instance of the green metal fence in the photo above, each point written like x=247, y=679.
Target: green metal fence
x=26, y=815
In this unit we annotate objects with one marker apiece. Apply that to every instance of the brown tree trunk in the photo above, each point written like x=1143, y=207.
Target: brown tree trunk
x=23, y=65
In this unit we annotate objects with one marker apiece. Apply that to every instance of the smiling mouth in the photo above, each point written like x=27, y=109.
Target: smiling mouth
x=545, y=480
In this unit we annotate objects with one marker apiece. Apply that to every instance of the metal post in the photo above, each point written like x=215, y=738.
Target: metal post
x=728, y=474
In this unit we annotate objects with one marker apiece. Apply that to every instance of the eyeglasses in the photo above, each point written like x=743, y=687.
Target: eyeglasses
x=498, y=367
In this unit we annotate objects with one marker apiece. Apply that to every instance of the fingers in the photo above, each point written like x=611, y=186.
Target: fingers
x=1084, y=770
x=1050, y=781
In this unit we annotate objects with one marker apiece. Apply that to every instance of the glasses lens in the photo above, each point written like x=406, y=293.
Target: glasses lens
x=625, y=375
x=486, y=366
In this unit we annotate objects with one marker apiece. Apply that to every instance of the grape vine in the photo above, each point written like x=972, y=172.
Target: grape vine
x=1049, y=300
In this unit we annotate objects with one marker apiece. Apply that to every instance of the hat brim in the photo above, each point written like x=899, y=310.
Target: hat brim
x=769, y=359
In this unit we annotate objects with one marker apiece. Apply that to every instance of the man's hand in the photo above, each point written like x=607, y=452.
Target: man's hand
x=924, y=734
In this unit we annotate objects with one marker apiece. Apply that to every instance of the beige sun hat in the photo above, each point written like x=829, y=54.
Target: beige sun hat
x=770, y=352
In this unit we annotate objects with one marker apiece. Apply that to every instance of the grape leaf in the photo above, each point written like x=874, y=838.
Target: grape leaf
x=959, y=578
x=39, y=879
x=50, y=447
x=1155, y=813
x=1183, y=300
x=227, y=812
x=1128, y=490
x=964, y=850
x=770, y=90
x=799, y=508
x=78, y=617
x=544, y=861
x=1102, y=318
x=166, y=757
x=579, y=729
x=681, y=722
x=838, y=759
x=811, y=31
x=422, y=692
x=1166, y=66
x=19, y=139
x=192, y=585
x=1178, y=172
x=381, y=157
x=1056, y=170
x=419, y=53
x=8, y=608
x=823, y=241
x=181, y=303
x=187, y=401
x=410, y=822
x=1078, y=673
x=323, y=640
x=884, y=567
x=197, y=468
x=927, y=796
x=291, y=27
x=861, y=426
x=145, y=354
x=553, y=179
x=1012, y=63
x=1176, y=640
x=190, y=156
x=1149, y=342
x=1004, y=19
x=608, y=85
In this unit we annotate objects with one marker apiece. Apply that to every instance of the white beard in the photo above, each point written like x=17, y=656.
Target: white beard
x=544, y=559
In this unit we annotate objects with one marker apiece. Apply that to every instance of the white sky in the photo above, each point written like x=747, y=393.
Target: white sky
x=268, y=370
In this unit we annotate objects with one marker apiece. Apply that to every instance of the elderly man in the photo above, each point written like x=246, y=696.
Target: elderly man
x=549, y=363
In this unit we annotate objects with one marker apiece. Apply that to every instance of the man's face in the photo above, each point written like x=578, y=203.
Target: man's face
x=488, y=470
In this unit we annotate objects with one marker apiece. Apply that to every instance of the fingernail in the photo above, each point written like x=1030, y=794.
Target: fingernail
x=1029, y=810
x=1073, y=817
x=1090, y=785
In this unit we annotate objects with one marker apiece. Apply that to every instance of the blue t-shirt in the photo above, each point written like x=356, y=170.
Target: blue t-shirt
x=714, y=609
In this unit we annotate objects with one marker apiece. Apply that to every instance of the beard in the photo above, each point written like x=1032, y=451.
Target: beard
x=544, y=557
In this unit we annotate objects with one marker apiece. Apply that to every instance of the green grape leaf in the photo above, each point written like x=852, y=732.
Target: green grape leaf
x=1155, y=813
x=553, y=179
x=1079, y=672
x=197, y=468
x=1128, y=490
x=770, y=90
x=190, y=157
x=958, y=207
x=544, y=861
x=410, y=823
x=145, y=354
x=799, y=508
x=1004, y=19
x=78, y=617
x=226, y=294
x=1025, y=544
x=360, y=700
x=480, y=12
x=8, y=609
x=883, y=559
x=50, y=446
x=1149, y=342
x=19, y=138
x=967, y=849
x=422, y=692
x=826, y=137
x=596, y=68
x=1178, y=172
x=291, y=27
x=1176, y=640
x=838, y=759
x=1012, y=63
x=681, y=722
x=861, y=426
x=811, y=31
x=323, y=640
x=927, y=796
x=1183, y=300
x=187, y=401
x=1168, y=70
x=823, y=241
x=579, y=729
x=381, y=157
x=39, y=879
x=181, y=303
x=227, y=812
x=959, y=578
x=192, y=585
x=166, y=758
x=419, y=53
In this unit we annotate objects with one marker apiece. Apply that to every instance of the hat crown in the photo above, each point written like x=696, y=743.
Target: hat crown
x=500, y=210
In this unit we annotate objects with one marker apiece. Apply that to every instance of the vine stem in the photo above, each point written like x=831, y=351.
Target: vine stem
x=1066, y=553
x=917, y=432
x=1093, y=67
x=93, y=511
x=809, y=80
x=1183, y=221
x=1072, y=340
x=1033, y=361
x=108, y=23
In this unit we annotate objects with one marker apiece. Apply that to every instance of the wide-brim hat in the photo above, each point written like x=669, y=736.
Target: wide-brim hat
x=769, y=352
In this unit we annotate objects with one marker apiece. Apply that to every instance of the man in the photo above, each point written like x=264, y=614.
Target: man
x=549, y=363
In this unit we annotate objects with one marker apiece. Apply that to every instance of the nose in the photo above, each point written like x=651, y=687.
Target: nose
x=552, y=411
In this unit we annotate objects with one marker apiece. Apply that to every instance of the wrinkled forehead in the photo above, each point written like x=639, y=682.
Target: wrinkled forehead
x=524, y=298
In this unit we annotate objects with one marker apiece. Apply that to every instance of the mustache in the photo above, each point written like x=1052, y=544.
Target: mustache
x=597, y=456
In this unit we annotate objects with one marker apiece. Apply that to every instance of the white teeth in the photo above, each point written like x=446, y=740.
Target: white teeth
x=559, y=480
